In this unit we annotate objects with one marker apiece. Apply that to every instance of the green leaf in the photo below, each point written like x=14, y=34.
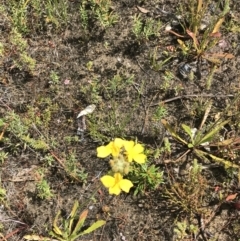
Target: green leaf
x=172, y=132
x=226, y=163
x=1, y=122
x=209, y=136
x=190, y=145
x=80, y=223
x=188, y=130
x=72, y=215
x=57, y=236
x=56, y=229
x=93, y=227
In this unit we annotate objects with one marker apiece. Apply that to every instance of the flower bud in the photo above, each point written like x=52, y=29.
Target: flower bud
x=119, y=164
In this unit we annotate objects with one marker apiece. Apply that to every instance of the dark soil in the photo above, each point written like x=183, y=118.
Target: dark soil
x=125, y=110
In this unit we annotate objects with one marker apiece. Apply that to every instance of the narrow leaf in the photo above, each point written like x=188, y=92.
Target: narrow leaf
x=93, y=227
x=226, y=163
x=226, y=142
x=56, y=229
x=208, y=137
x=192, y=35
x=59, y=238
x=199, y=7
x=188, y=130
x=182, y=45
x=36, y=238
x=212, y=60
x=143, y=10
x=80, y=222
x=172, y=132
x=231, y=197
x=218, y=25
x=72, y=215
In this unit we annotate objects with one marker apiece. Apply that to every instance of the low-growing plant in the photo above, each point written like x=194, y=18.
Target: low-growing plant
x=204, y=33
x=43, y=188
x=22, y=59
x=84, y=15
x=19, y=15
x=188, y=194
x=100, y=10
x=160, y=112
x=144, y=29
x=200, y=139
x=201, y=32
x=56, y=12
x=71, y=228
x=123, y=154
x=146, y=177
x=71, y=167
x=54, y=78
x=183, y=230
x=2, y=194
x=3, y=156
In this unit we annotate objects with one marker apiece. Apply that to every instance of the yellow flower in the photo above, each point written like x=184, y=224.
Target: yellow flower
x=116, y=184
x=134, y=152
x=114, y=148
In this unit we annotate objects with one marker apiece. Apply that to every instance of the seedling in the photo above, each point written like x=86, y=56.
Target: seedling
x=145, y=29
x=146, y=177
x=182, y=229
x=71, y=229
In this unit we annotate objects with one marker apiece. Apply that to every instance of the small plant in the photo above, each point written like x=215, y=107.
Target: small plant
x=70, y=231
x=19, y=15
x=22, y=60
x=71, y=166
x=56, y=12
x=54, y=78
x=101, y=10
x=146, y=177
x=201, y=32
x=145, y=29
x=104, y=13
x=189, y=193
x=160, y=113
x=43, y=189
x=2, y=194
x=3, y=156
x=204, y=35
x=200, y=139
x=70, y=228
x=84, y=15
x=183, y=229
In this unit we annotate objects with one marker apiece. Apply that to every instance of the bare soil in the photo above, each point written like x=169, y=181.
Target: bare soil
x=125, y=110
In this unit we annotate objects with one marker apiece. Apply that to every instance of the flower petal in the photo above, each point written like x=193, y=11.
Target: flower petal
x=108, y=181
x=115, y=190
x=138, y=148
x=140, y=158
x=103, y=151
x=125, y=185
x=118, y=142
x=128, y=145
